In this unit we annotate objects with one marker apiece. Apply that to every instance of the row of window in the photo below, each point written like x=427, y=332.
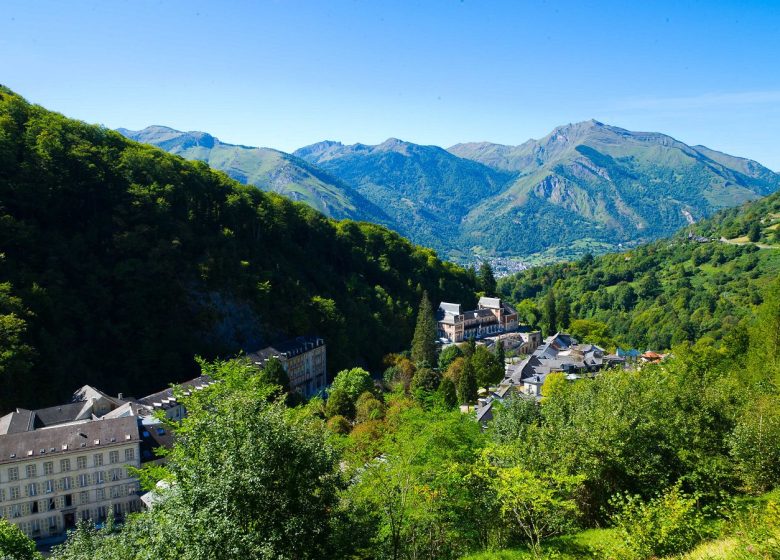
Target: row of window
x=53, y=525
x=31, y=471
x=63, y=484
x=69, y=500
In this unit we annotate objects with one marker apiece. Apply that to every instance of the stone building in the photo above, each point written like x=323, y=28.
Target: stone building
x=304, y=360
x=65, y=463
x=492, y=316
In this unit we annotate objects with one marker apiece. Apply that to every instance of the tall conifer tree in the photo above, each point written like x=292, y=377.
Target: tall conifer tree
x=424, y=341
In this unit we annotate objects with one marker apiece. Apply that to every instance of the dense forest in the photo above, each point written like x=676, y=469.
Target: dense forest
x=703, y=281
x=632, y=464
x=119, y=263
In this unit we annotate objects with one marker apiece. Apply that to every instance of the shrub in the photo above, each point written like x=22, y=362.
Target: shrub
x=668, y=524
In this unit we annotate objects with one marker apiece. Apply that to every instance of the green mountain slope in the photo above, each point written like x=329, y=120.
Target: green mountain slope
x=426, y=190
x=120, y=262
x=700, y=282
x=265, y=168
x=590, y=186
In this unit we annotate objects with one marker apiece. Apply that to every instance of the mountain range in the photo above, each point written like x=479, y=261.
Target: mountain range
x=585, y=187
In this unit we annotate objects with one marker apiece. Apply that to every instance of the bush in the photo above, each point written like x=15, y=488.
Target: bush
x=668, y=524
x=339, y=425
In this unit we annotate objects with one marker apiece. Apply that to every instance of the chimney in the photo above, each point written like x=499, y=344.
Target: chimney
x=120, y=396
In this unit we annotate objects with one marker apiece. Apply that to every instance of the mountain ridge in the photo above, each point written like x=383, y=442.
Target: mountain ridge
x=583, y=187
x=266, y=168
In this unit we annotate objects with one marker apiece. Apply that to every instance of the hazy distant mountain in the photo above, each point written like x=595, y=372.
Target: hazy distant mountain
x=593, y=186
x=268, y=169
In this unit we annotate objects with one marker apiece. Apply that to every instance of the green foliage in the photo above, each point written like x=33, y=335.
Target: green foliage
x=550, y=314
x=15, y=545
x=668, y=524
x=538, y=504
x=249, y=479
x=347, y=387
x=512, y=418
x=339, y=425
x=488, y=370
x=368, y=407
x=419, y=500
x=169, y=259
x=274, y=373
x=424, y=340
x=486, y=279
x=448, y=355
x=755, y=443
x=660, y=294
x=467, y=383
x=448, y=393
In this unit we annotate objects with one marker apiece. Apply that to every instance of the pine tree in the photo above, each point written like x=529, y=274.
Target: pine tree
x=424, y=341
x=448, y=393
x=501, y=353
x=467, y=384
x=487, y=280
x=550, y=314
x=563, y=310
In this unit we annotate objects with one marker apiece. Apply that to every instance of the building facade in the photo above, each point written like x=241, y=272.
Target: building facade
x=303, y=358
x=62, y=464
x=492, y=316
x=54, y=473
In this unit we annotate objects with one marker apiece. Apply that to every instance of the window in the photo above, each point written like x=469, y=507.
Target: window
x=67, y=482
x=16, y=511
x=15, y=493
x=32, y=489
x=113, y=457
x=129, y=454
x=115, y=491
x=99, y=477
x=48, y=468
x=13, y=473
x=52, y=523
x=83, y=497
x=98, y=459
x=49, y=486
x=32, y=471
x=83, y=480
x=100, y=494
x=81, y=462
x=52, y=504
x=64, y=465
x=2, y=494
x=115, y=474
x=85, y=515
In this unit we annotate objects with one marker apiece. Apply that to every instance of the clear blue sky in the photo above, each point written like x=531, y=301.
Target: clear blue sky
x=288, y=73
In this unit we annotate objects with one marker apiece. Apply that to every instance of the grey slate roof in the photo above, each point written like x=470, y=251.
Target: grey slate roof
x=21, y=420
x=68, y=437
x=287, y=349
x=166, y=399
x=490, y=302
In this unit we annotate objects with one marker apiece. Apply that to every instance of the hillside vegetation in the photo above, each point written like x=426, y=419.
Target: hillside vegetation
x=265, y=168
x=670, y=460
x=678, y=289
x=120, y=262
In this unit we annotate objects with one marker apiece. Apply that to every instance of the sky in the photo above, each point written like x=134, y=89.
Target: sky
x=288, y=73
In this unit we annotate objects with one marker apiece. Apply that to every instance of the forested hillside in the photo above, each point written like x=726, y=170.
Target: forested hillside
x=701, y=282
x=265, y=168
x=119, y=263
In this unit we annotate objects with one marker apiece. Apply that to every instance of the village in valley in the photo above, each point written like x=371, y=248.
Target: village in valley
x=75, y=461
